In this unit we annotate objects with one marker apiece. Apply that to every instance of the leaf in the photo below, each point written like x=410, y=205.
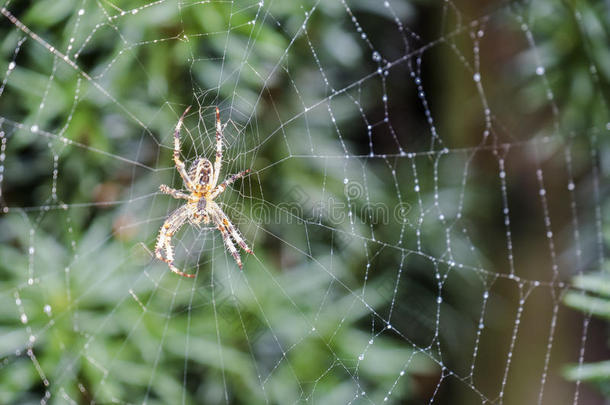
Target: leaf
x=588, y=304
x=597, y=283
x=592, y=372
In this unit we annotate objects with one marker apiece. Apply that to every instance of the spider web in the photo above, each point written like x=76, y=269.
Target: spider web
x=417, y=203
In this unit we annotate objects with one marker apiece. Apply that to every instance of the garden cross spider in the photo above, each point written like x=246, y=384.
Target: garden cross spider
x=200, y=182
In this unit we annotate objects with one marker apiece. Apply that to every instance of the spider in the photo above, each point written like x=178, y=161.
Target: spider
x=201, y=183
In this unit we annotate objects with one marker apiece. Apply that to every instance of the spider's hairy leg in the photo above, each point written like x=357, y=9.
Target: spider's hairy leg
x=222, y=186
x=229, y=244
x=235, y=234
x=179, y=163
x=164, y=241
x=174, y=193
x=218, y=161
x=198, y=217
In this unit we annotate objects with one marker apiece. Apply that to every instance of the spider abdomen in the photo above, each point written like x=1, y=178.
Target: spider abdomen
x=201, y=172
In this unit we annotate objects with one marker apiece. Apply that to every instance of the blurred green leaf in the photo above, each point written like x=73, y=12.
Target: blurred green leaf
x=591, y=372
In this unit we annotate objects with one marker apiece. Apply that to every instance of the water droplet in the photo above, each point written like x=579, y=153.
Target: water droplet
x=539, y=70
x=11, y=66
x=81, y=11
x=476, y=77
x=376, y=56
x=24, y=318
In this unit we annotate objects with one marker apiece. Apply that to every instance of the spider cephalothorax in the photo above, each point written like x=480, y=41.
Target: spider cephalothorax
x=201, y=184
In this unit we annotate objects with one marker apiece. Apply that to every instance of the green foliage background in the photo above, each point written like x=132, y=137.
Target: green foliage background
x=304, y=321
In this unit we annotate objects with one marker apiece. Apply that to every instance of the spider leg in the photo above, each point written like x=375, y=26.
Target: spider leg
x=196, y=224
x=226, y=237
x=229, y=180
x=174, y=193
x=188, y=183
x=197, y=219
x=235, y=234
x=171, y=225
x=218, y=161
